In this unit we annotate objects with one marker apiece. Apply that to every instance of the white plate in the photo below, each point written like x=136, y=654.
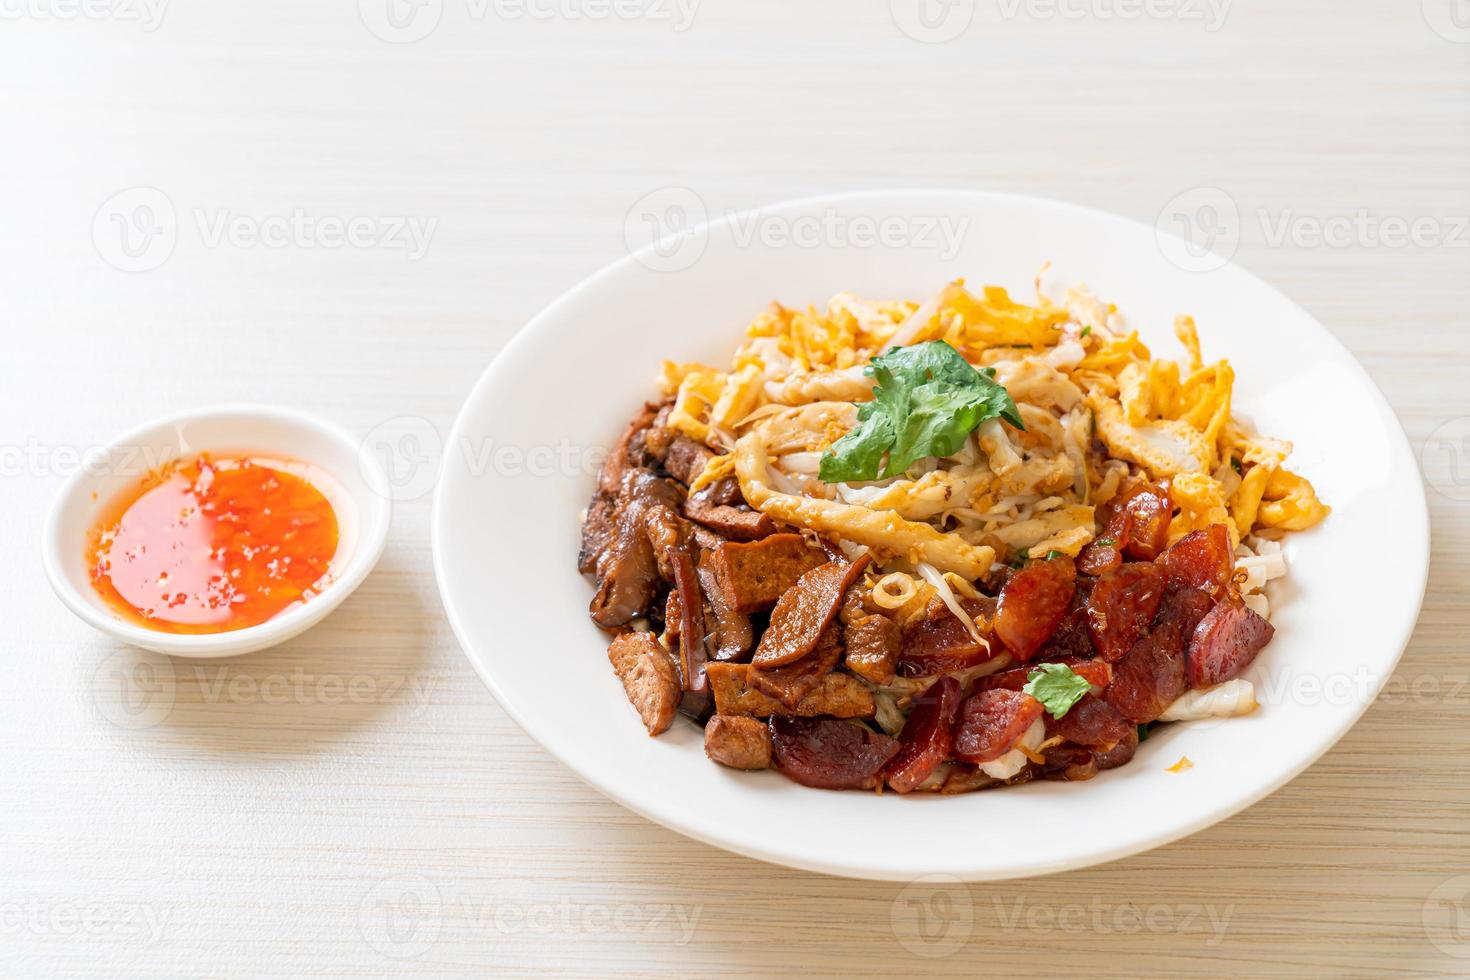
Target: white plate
x=506, y=534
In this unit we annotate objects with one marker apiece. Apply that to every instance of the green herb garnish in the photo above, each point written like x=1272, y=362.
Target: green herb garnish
x=927, y=402
x=1085, y=331
x=1107, y=542
x=1142, y=733
x=1057, y=687
x=1054, y=554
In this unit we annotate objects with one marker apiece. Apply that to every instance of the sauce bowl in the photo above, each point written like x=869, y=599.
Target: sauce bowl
x=355, y=485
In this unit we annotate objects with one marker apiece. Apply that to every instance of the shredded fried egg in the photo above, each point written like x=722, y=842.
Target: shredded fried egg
x=1098, y=407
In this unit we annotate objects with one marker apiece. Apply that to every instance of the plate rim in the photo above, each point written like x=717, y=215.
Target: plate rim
x=1349, y=718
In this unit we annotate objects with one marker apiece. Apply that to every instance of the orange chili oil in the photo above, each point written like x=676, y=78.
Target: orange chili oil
x=213, y=545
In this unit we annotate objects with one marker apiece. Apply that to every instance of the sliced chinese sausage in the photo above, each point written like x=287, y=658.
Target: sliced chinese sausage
x=1098, y=673
x=926, y=737
x=1092, y=722
x=1148, y=508
x=649, y=678
x=991, y=723
x=1098, y=558
x=737, y=742
x=1201, y=560
x=804, y=612
x=1185, y=607
x=1033, y=604
x=1150, y=676
x=1137, y=519
x=1122, y=606
x=1224, y=644
x=1072, y=639
x=943, y=643
x=829, y=754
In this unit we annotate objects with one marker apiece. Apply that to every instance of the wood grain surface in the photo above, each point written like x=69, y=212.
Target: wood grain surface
x=355, y=803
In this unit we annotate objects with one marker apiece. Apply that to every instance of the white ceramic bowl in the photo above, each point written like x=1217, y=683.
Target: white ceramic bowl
x=354, y=483
x=505, y=537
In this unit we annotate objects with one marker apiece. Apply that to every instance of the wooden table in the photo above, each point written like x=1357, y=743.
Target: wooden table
x=355, y=803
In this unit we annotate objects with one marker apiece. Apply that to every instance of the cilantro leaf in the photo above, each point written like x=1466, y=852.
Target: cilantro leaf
x=1057, y=687
x=863, y=449
x=927, y=402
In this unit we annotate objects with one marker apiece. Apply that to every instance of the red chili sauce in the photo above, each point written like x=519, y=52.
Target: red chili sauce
x=213, y=545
